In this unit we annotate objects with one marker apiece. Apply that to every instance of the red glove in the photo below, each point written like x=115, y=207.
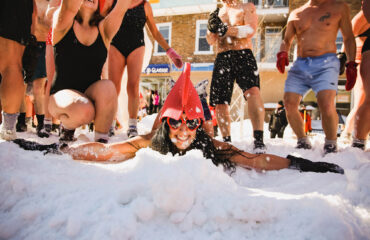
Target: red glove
x=351, y=74
x=176, y=58
x=282, y=61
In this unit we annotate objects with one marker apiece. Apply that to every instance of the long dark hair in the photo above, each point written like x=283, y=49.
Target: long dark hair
x=162, y=143
x=97, y=17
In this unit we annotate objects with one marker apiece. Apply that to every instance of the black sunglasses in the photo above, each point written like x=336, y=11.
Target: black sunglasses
x=190, y=124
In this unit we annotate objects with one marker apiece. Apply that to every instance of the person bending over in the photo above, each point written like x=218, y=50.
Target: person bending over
x=81, y=39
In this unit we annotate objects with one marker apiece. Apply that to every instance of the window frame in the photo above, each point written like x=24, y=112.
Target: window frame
x=156, y=45
x=197, y=35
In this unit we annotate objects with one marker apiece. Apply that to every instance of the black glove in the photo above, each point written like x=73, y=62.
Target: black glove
x=30, y=58
x=342, y=59
x=34, y=146
x=215, y=24
x=305, y=165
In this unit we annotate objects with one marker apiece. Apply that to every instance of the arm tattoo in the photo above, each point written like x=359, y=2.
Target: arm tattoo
x=326, y=16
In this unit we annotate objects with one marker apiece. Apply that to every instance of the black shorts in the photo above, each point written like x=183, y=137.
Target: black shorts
x=239, y=65
x=206, y=111
x=366, y=46
x=40, y=70
x=16, y=20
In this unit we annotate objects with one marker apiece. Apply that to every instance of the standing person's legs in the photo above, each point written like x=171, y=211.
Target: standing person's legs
x=12, y=85
x=256, y=110
x=116, y=67
x=291, y=103
x=358, y=98
x=224, y=120
x=50, y=69
x=362, y=122
x=39, y=96
x=134, y=67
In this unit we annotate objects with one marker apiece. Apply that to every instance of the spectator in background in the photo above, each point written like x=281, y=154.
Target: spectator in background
x=278, y=121
x=306, y=119
x=155, y=99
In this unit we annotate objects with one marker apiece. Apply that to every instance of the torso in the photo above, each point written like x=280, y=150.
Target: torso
x=41, y=28
x=78, y=61
x=233, y=16
x=317, y=27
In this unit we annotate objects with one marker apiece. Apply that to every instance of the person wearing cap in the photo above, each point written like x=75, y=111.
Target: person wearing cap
x=127, y=50
x=230, y=30
x=180, y=131
x=81, y=39
x=278, y=121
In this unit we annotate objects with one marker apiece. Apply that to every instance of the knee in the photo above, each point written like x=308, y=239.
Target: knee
x=107, y=92
x=327, y=108
x=252, y=92
x=133, y=89
x=290, y=104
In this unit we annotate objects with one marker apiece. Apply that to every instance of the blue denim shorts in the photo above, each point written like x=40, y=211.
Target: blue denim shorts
x=319, y=73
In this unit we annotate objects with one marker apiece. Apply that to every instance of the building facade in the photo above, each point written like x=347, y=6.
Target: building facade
x=183, y=23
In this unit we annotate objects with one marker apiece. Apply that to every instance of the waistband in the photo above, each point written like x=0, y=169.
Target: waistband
x=318, y=57
x=235, y=51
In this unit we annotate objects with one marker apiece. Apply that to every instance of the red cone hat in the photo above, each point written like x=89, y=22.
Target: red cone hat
x=183, y=98
x=101, y=5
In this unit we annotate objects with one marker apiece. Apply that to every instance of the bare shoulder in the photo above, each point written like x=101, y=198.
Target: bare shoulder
x=249, y=7
x=294, y=14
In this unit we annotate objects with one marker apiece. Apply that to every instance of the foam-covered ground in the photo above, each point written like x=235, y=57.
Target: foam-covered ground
x=164, y=197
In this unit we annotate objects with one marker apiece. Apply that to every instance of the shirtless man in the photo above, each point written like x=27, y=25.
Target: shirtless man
x=15, y=30
x=231, y=29
x=316, y=25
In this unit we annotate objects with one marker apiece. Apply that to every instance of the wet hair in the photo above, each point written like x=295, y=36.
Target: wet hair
x=162, y=143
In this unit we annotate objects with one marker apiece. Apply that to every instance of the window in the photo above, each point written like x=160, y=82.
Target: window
x=201, y=44
x=339, y=41
x=272, y=43
x=165, y=30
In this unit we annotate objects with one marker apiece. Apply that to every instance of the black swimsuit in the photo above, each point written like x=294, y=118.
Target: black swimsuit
x=366, y=46
x=77, y=66
x=130, y=36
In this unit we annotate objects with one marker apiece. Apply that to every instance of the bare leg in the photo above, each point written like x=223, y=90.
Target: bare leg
x=325, y=99
x=39, y=95
x=223, y=119
x=104, y=96
x=72, y=108
x=134, y=67
x=291, y=103
x=50, y=69
x=362, y=122
x=256, y=109
x=358, y=99
x=12, y=86
x=116, y=67
x=208, y=127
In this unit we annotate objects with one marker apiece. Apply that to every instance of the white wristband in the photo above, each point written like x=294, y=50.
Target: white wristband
x=243, y=31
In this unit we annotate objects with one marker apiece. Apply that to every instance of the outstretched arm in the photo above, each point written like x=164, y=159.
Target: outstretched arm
x=263, y=162
x=258, y=162
x=109, y=152
x=348, y=37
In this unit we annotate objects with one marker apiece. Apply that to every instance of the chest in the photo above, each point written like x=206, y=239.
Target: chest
x=318, y=19
x=232, y=16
